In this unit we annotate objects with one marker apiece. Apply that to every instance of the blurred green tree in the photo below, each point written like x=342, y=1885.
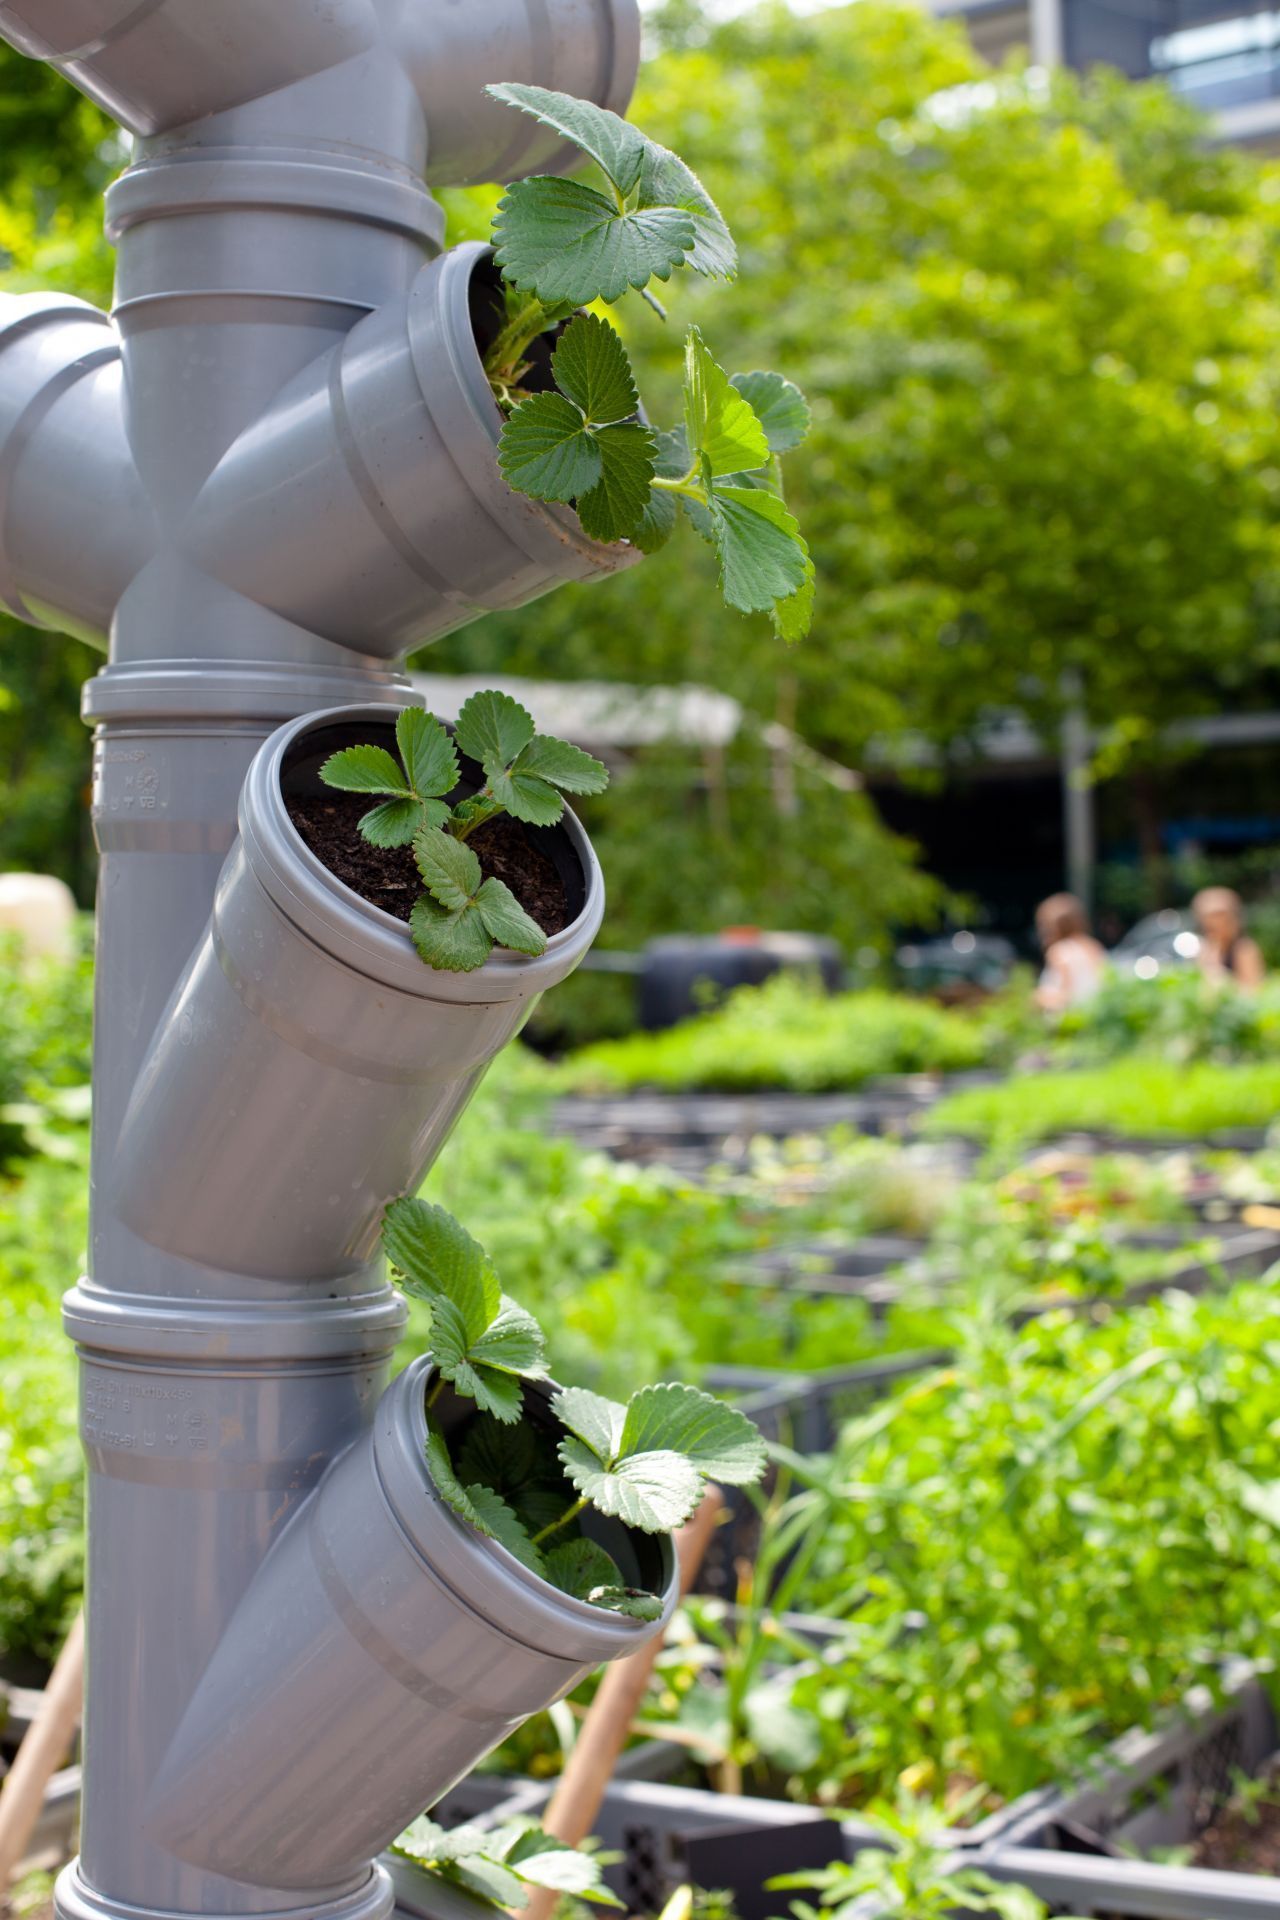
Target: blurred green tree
x=1035, y=319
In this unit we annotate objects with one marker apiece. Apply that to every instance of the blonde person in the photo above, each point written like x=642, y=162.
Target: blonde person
x=1226, y=950
x=1074, y=962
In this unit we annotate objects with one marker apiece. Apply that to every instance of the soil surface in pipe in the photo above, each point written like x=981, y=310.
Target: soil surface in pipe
x=388, y=878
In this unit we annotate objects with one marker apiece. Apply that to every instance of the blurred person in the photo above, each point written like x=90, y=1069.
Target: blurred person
x=1074, y=962
x=1226, y=950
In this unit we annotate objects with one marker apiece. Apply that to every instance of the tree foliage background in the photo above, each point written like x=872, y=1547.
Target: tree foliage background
x=1035, y=319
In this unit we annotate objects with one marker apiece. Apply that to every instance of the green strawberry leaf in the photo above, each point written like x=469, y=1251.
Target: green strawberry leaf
x=547, y=451
x=479, y=1506
x=427, y=752
x=616, y=505
x=493, y=726
x=505, y=920
x=653, y=1491
x=595, y=1420
x=503, y=1459
x=778, y=405
x=579, y=1566
x=719, y=1440
x=514, y=1343
x=617, y=147
x=793, y=616
x=633, y=1601
x=566, y=242
x=563, y=765
x=523, y=794
x=437, y=1256
x=763, y=558
x=453, y=942
x=672, y=459
x=364, y=769
x=501, y=1525
x=722, y=431
x=666, y=181
x=657, y=523
x=492, y=1390
x=395, y=822
x=541, y=1861
x=450, y=870
x=590, y=365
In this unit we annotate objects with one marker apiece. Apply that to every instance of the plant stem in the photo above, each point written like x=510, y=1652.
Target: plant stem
x=554, y=1526
x=436, y=1391
x=688, y=484
x=512, y=342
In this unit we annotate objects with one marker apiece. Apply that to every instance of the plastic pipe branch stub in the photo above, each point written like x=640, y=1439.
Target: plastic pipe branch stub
x=307, y=1014
x=367, y=505
x=380, y=1612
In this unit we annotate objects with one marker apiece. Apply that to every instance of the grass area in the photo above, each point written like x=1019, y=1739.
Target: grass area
x=1135, y=1098
x=786, y=1035
x=43, y=1231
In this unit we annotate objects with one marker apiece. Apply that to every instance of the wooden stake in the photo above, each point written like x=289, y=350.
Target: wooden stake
x=44, y=1747
x=573, y=1807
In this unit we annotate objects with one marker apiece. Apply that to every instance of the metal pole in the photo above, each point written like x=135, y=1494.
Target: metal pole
x=1078, y=819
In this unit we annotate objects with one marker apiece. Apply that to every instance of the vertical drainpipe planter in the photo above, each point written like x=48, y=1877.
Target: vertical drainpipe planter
x=278, y=304
x=310, y=1063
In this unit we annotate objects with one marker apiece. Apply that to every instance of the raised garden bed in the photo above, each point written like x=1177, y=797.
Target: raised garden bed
x=871, y=1269
x=713, y=1127
x=666, y=1835
x=1152, y=1792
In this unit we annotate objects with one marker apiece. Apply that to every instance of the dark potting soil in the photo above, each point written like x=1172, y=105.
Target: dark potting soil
x=386, y=876
x=1244, y=1840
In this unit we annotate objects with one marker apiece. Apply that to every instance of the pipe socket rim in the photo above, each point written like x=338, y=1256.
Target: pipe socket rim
x=349, y=929
x=217, y=1334
x=75, y=1899
x=481, y=1574
x=467, y=419
x=175, y=184
x=217, y=691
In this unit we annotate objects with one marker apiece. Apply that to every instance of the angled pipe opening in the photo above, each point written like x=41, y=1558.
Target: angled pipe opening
x=380, y=1613
x=368, y=506
x=309, y=1063
x=75, y=523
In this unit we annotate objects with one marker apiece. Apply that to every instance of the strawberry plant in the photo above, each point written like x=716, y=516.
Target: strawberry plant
x=460, y=917
x=500, y=1866
x=915, y=1875
x=562, y=245
x=529, y=1482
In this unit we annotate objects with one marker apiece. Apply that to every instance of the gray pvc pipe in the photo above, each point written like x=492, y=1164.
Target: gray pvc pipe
x=308, y=1043
x=277, y=201
x=75, y=524
x=157, y=67
x=152, y=66
x=379, y=461
x=381, y=1613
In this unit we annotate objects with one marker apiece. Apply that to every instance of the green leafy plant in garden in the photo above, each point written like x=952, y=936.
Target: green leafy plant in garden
x=1137, y=1097
x=787, y=1034
x=461, y=916
x=1179, y=1016
x=562, y=245
x=501, y=1866
x=913, y=1876
x=526, y=1483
